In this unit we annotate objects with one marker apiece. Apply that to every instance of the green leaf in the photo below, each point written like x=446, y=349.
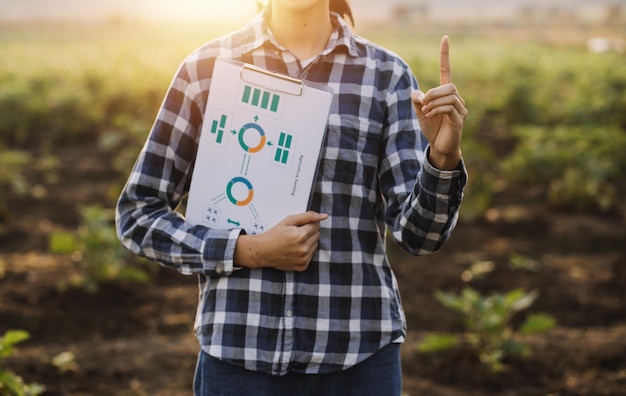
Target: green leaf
x=521, y=300
x=62, y=243
x=520, y=262
x=515, y=348
x=437, y=342
x=493, y=360
x=537, y=323
x=449, y=300
x=471, y=296
x=134, y=274
x=492, y=321
x=10, y=338
x=12, y=382
x=65, y=361
x=34, y=389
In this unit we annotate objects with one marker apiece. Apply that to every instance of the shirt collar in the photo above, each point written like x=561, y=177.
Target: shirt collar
x=256, y=34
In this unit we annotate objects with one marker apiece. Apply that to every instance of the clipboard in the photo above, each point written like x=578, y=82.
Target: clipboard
x=259, y=148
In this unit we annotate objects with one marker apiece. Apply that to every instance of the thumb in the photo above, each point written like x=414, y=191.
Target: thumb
x=304, y=218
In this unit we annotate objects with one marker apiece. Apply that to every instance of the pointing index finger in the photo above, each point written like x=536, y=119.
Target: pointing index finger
x=445, y=72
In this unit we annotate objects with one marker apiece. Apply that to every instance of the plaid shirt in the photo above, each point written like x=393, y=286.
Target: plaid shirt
x=372, y=177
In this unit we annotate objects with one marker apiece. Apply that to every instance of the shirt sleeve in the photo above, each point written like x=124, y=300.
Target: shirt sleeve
x=422, y=202
x=146, y=218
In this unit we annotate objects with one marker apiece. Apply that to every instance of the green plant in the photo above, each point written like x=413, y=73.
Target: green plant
x=489, y=331
x=64, y=362
x=10, y=383
x=11, y=164
x=523, y=263
x=581, y=166
x=11, y=179
x=16, y=168
x=95, y=246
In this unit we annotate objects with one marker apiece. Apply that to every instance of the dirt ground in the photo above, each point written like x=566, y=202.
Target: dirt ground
x=138, y=339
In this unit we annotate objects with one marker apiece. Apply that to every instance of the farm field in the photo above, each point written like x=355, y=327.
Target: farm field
x=544, y=210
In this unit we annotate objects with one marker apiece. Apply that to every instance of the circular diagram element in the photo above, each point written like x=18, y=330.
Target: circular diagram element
x=229, y=191
x=259, y=130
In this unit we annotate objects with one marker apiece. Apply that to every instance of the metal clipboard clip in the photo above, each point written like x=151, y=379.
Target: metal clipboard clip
x=270, y=80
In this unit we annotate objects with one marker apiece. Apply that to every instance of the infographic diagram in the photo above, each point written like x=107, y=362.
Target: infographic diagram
x=258, y=150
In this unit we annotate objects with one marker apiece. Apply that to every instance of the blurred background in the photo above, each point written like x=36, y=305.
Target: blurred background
x=527, y=298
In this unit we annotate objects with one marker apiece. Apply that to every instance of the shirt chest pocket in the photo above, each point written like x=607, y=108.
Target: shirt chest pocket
x=351, y=154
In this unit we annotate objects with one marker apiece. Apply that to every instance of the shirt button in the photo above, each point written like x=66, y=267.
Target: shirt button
x=289, y=313
x=219, y=269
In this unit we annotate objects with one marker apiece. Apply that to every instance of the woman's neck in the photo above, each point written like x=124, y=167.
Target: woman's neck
x=303, y=31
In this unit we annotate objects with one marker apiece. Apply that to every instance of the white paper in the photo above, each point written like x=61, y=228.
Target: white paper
x=259, y=148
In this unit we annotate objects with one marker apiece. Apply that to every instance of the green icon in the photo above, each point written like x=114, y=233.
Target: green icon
x=231, y=196
x=217, y=128
x=259, y=98
x=283, y=148
x=254, y=127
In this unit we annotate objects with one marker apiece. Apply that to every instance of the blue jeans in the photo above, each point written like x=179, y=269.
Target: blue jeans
x=379, y=375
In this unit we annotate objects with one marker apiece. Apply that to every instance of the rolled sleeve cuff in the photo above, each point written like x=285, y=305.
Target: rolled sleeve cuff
x=443, y=183
x=219, y=251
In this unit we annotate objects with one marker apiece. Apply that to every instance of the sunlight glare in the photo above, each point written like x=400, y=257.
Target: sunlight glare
x=159, y=10
x=198, y=9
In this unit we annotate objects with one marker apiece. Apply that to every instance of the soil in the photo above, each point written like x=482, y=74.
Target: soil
x=136, y=339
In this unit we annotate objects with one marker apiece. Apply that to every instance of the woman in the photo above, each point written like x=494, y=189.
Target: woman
x=311, y=306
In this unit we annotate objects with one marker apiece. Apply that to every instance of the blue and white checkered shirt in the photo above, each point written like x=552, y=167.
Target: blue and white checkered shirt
x=373, y=178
